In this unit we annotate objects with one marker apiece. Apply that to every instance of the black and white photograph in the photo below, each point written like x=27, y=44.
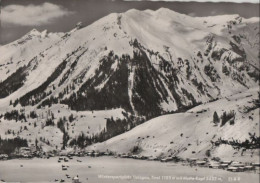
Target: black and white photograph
x=129, y=91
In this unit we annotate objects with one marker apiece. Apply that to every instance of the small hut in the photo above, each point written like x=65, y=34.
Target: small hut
x=201, y=163
x=232, y=169
x=75, y=179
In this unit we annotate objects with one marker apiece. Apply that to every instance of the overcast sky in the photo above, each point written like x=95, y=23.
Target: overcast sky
x=235, y=1
x=20, y=16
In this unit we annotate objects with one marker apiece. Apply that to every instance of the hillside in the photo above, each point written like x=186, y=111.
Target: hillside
x=194, y=134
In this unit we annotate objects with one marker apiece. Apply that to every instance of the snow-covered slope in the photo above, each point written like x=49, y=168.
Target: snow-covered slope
x=19, y=52
x=138, y=65
x=193, y=133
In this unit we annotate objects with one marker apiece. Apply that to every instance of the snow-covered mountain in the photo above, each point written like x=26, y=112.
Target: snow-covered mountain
x=131, y=66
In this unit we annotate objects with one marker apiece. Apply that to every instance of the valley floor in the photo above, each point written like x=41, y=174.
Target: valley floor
x=114, y=170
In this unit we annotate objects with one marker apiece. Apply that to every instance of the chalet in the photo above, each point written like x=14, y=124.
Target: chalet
x=201, y=163
x=80, y=154
x=144, y=157
x=224, y=165
x=3, y=156
x=107, y=153
x=232, y=169
x=237, y=164
x=25, y=152
x=166, y=159
x=226, y=162
x=124, y=156
x=256, y=164
x=89, y=154
x=152, y=159
x=214, y=166
x=241, y=169
x=96, y=154
x=63, y=154
x=192, y=159
x=66, y=160
x=71, y=154
x=75, y=180
x=135, y=156
x=25, y=149
x=249, y=167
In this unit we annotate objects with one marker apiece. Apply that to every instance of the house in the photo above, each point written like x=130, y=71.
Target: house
x=124, y=156
x=241, y=169
x=249, y=167
x=166, y=159
x=232, y=169
x=63, y=153
x=75, y=180
x=256, y=164
x=4, y=156
x=144, y=157
x=135, y=156
x=201, y=163
x=237, y=164
x=25, y=151
x=152, y=159
x=96, y=154
x=192, y=159
x=224, y=165
x=214, y=166
x=107, y=153
x=226, y=162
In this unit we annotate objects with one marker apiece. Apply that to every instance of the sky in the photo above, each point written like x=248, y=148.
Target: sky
x=20, y=16
x=235, y=1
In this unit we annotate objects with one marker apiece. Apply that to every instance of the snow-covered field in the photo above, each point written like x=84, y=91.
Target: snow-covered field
x=115, y=170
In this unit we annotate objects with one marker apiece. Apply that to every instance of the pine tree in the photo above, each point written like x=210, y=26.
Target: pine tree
x=36, y=142
x=215, y=118
x=224, y=119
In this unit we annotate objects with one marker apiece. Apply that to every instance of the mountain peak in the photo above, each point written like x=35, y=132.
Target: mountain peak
x=34, y=32
x=162, y=9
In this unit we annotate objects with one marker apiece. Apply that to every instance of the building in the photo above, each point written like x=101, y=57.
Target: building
x=201, y=163
x=75, y=180
x=3, y=156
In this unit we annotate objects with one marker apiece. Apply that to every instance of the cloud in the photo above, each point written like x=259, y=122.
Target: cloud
x=192, y=14
x=213, y=13
x=32, y=15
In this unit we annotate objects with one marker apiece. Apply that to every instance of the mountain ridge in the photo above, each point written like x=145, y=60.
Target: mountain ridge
x=141, y=63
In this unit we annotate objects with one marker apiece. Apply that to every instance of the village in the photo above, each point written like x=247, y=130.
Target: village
x=214, y=163
x=66, y=160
